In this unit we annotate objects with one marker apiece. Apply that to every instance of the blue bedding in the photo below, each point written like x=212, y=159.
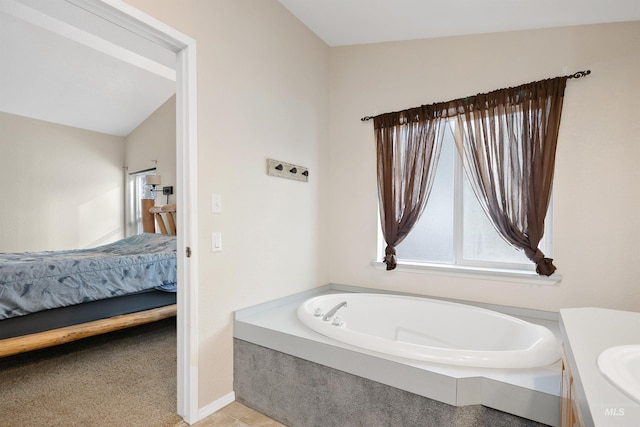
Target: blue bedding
x=36, y=281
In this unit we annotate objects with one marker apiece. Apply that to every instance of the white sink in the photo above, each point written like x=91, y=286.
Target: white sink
x=621, y=366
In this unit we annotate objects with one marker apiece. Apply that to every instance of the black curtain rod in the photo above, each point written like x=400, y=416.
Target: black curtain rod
x=575, y=75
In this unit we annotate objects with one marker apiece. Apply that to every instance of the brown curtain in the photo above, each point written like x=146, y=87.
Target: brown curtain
x=507, y=139
x=408, y=147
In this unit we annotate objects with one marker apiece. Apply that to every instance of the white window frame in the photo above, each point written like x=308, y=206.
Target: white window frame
x=136, y=193
x=511, y=272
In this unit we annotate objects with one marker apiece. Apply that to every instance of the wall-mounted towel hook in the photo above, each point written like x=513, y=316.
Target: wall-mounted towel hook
x=287, y=170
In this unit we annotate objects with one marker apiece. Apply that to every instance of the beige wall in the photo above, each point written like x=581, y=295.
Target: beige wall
x=155, y=140
x=262, y=93
x=63, y=187
x=152, y=145
x=597, y=185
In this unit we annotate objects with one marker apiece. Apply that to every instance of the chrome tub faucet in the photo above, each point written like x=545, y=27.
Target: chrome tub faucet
x=333, y=311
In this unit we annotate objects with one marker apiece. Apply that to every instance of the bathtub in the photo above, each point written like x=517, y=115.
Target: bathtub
x=430, y=330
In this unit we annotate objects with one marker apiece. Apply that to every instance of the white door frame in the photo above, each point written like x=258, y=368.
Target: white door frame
x=145, y=26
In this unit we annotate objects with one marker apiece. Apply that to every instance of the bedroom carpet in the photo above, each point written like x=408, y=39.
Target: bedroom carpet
x=123, y=378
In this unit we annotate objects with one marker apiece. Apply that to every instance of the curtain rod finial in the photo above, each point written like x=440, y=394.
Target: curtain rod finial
x=579, y=74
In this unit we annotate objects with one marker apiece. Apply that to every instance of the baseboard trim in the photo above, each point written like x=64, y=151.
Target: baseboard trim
x=216, y=405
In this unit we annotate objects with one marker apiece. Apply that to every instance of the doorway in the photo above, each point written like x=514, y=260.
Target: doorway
x=131, y=19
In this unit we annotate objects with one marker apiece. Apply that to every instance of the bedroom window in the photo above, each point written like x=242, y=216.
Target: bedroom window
x=138, y=190
x=454, y=230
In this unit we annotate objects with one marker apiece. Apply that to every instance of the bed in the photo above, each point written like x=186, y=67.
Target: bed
x=54, y=297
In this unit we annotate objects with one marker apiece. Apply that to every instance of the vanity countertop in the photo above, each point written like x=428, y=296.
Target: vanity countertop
x=586, y=332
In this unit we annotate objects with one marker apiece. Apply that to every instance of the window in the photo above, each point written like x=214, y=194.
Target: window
x=138, y=190
x=454, y=230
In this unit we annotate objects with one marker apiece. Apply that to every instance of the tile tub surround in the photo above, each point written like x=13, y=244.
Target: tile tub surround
x=528, y=393
x=299, y=393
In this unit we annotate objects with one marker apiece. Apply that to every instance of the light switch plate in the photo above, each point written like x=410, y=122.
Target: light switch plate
x=216, y=203
x=216, y=242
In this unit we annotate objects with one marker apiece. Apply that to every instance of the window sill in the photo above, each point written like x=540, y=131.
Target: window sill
x=513, y=276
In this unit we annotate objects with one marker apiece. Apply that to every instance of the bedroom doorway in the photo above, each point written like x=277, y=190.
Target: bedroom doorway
x=122, y=15
x=118, y=51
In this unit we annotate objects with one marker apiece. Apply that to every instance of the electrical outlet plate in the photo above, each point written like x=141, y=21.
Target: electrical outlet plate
x=287, y=170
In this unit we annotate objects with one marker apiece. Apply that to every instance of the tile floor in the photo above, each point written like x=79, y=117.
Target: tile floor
x=236, y=415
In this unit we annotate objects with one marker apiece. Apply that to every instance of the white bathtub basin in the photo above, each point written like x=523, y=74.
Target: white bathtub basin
x=432, y=330
x=620, y=365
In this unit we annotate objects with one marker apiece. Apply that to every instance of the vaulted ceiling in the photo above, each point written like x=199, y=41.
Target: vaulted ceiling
x=347, y=22
x=61, y=63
